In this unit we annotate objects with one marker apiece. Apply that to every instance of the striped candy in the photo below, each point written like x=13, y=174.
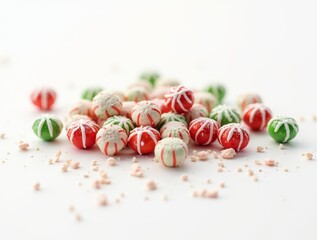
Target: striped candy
x=245, y=99
x=176, y=130
x=47, y=127
x=82, y=133
x=43, y=98
x=121, y=121
x=256, y=116
x=234, y=136
x=224, y=114
x=203, y=131
x=169, y=117
x=146, y=113
x=143, y=139
x=105, y=105
x=179, y=99
x=196, y=111
x=111, y=139
x=82, y=107
x=171, y=152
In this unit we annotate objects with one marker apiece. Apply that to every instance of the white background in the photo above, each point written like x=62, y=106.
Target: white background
x=267, y=47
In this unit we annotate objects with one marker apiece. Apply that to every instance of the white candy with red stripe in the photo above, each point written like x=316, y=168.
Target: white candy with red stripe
x=146, y=113
x=105, y=105
x=171, y=152
x=82, y=107
x=175, y=129
x=111, y=139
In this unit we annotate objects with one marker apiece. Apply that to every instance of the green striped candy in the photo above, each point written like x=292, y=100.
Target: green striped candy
x=168, y=117
x=90, y=93
x=150, y=77
x=47, y=127
x=224, y=114
x=282, y=129
x=121, y=121
x=218, y=90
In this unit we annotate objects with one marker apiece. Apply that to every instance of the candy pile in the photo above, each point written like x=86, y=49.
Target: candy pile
x=160, y=116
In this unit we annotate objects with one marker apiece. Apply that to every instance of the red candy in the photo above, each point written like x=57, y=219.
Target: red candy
x=82, y=133
x=143, y=139
x=203, y=131
x=256, y=116
x=43, y=98
x=234, y=136
x=179, y=99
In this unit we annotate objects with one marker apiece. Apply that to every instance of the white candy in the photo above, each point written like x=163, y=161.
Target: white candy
x=146, y=113
x=105, y=105
x=171, y=152
x=175, y=129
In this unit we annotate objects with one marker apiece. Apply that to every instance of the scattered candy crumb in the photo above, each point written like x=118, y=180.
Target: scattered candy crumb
x=229, y=153
x=151, y=185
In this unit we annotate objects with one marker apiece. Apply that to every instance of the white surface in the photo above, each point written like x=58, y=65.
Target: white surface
x=266, y=47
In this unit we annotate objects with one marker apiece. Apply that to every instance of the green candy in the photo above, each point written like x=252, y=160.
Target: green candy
x=150, y=77
x=218, y=90
x=224, y=114
x=121, y=121
x=90, y=93
x=47, y=127
x=169, y=117
x=282, y=129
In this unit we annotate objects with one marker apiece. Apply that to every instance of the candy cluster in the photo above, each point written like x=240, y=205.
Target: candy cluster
x=162, y=117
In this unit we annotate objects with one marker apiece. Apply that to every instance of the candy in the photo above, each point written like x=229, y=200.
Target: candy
x=245, y=99
x=43, y=98
x=282, y=129
x=171, y=152
x=83, y=107
x=218, y=90
x=146, y=113
x=165, y=82
x=203, y=131
x=145, y=85
x=111, y=139
x=127, y=108
x=82, y=133
x=159, y=92
x=179, y=99
x=105, y=105
x=234, y=136
x=47, y=127
x=176, y=130
x=207, y=99
x=143, y=139
x=150, y=77
x=168, y=117
x=256, y=116
x=90, y=93
x=224, y=114
x=121, y=121
x=196, y=111
x=136, y=94
x=161, y=104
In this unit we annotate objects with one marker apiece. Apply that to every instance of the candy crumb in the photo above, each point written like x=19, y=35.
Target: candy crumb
x=270, y=163
x=184, y=178
x=260, y=149
x=23, y=146
x=134, y=160
x=37, y=186
x=111, y=161
x=309, y=156
x=136, y=171
x=151, y=185
x=229, y=153
x=222, y=185
x=102, y=200
x=2, y=135
x=281, y=147
x=215, y=154
x=202, y=155
x=75, y=165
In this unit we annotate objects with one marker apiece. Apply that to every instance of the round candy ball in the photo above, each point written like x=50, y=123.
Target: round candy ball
x=105, y=105
x=245, y=99
x=82, y=107
x=146, y=113
x=171, y=152
x=150, y=77
x=208, y=100
x=203, y=131
x=43, y=98
x=169, y=117
x=234, y=136
x=218, y=90
x=196, y=111
x=179, y=99
x=175, y=129
x=47, y=127
x=111, y=139
x=136, y=94
x=224, y=114
x=282, y=129
x=256, y=116
x=90, y=93
x=82, y=133
x=143, y=139
x=121, y=121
